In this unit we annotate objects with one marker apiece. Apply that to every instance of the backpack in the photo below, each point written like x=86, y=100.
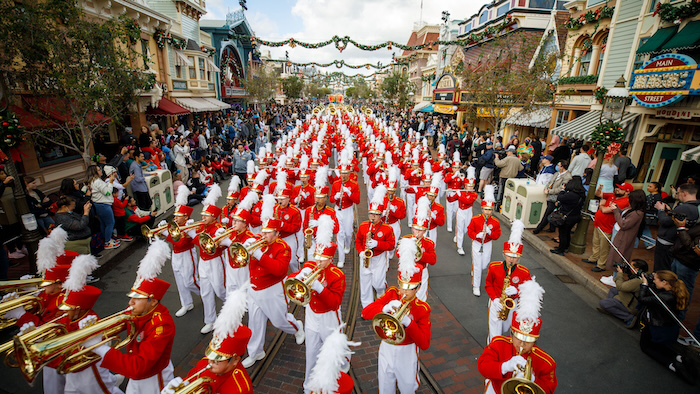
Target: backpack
x=631, y=171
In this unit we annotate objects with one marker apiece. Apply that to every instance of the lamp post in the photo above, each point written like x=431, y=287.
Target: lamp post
x=613, y=109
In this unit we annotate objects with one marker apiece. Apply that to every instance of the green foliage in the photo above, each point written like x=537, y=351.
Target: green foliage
x=590, y=17
x=359, y=90
x=675, y=14
x=51, y=49
x=260, y=84
x=600, y=93
x=606, y=134
x=584, y=79
x=396, y=88
x=292, y=87
x=10, y=131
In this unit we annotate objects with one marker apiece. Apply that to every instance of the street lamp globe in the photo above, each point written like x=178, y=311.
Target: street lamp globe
x=615, y=101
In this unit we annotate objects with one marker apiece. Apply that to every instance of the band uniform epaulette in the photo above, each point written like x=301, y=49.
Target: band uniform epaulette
x=336, y=270
x=240, y=380
x=496, y=263
x=421, y=303
x=542, y=355
x=156, y=315
x=502, y=338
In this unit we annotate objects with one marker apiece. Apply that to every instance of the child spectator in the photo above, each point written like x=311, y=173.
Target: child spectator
x=135, y=217
x=120, y=216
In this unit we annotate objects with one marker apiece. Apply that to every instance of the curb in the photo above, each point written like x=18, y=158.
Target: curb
x=574, y=271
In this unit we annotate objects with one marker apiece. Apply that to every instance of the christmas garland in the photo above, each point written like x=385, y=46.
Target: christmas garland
x=133, y=30
x=162, y=38
x=600, y=93
x=606, y=134
x=209, y=51
x=337, y=63
x=12, y=131
x=428, y=77
x=342, y=42
x=670, y=13
x=590, y=17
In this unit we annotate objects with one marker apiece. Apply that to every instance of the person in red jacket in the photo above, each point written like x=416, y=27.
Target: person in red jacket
x=413, y=176
x=147, y=359
x=454, y=181
x=378, y=237
x=465, y=201
x=437, y=211
x=312, y=214
x=268, y=268
x=507, y=357
x=290, y=216
x=118, y=207
x=345, y=193
x=323, y=308
x=424, y=244
x=496, y=286
x=236, y=274
x=482, y=229
x=395, y=207
x=303, y=194
x=398, y=361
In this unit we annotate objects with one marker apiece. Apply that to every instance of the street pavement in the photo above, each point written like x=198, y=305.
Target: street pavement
x=594, y=352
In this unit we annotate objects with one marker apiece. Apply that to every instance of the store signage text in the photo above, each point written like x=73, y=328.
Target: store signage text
x=664, y=80
x=676, y=114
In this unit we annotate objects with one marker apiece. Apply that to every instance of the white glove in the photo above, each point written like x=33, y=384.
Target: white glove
x=405, y=321
x=162, y=223
x=257, y=254
x=337, y=196
x=317, y=286
x=497, y=305
x=415, y=172
x=170, y=388
x=225, y=221
x=391, y=306
x=102, y=350
x=513, y=364
x=488, y=229
x=304, y=194
x=15, y=313
x=393, y=208
x=248, y=242
x=9, y=296
x=511, y=290
x=372, y=243
x=26, y=327
x=306, y=271
x=219, y=232
x=298, y=199
x=480, y=236
x=313, y=223
x=189, y=221
x=25, y=277
x=347, y=190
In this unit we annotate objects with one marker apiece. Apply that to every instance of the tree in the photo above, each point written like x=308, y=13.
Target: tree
x=396, y=88
x=292, y=87
x=81, y=73
x=260, y=84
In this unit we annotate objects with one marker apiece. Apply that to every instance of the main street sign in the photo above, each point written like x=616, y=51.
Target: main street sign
x=664, y=80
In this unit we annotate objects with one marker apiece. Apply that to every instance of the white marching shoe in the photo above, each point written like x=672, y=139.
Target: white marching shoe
x=476, y=291
x=341, y=264
x=346, y=250
x=449, y=230
x=250, y=360
x=299, y=335
x=454, y=239
x=183, y=311
x=460, y=251
x=207, y=328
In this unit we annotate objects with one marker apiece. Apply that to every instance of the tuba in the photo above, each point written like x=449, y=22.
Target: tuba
x=210, y=244
x=523, y=385
x=388, y=327
x=150, y=233
x=48, y=330
x=33, y=356
x=241, y=254
x=8, y=286
x=27, y=301
x=299, y=291
x=175, y=230
x=507, y=303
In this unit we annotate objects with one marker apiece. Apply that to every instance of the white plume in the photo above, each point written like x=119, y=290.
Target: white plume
x=261, y=177
x=182, y=195
x=213, y=196
x=393, y=174
x=516, y=232
x=388, y=159
x=489, y=193
x=321, y=177
x=249, y=200
x=379, y=194
x=268, y=146
x=530, y=303
x=324, y=232
x=250, y=166
x=437, y=179
x=234, y=184
x=423, y=208
x=471, y=172
x=48, y=251
x=415, y=155
x=232, y=312
x=152, y=263
x=268, y=207
x=59, y=235
x=81, y=267
x=262, y=152
x=282, y=161
x=441, y=149
x=456, y=157
x=407, y=250
x=304, y=161
x=281, y=180
x=427, y=168
x=333, y=355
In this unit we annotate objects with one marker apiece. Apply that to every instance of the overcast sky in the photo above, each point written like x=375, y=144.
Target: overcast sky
x=365, y=21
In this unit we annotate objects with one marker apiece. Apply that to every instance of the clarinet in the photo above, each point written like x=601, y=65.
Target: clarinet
x=483, y=238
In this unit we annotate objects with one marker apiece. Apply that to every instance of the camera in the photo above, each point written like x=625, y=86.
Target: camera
x=649, y=276
x=501, y=154
x=680, y=216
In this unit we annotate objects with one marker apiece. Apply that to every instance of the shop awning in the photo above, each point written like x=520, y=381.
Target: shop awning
x=59, y=110
x=691, y=155
x=167, y=107
x=212, y=66
x=182, y=60
x=582, y=127
x=444, y=109
x=202, y=104
x=30, y=121
x=688, y=38
x=421, y=105
x=429, y=109
x=657, y=40
x=536, y=117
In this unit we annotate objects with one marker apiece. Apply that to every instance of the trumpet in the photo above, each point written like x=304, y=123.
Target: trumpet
x=308, y=237
x=27, y=301
x=367, y=253
x=210, y=244
x=299, y=291
x=240, y=254
x=507, y=303
x=48, y=330
x=524, y=385
x=32, y=357
x=388, y=326
x=196, y=384
x=151, y=233
x=9, y=286
x=176, y=230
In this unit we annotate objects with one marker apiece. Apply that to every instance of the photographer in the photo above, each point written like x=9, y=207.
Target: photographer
x=552, y=189
x=622, y=298
x=685, y=216
x=660, y=329
x=509, y=165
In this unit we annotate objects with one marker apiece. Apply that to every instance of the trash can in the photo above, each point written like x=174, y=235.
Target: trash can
x=530, y=204
x=153, y=182
x=167, y=194
x=509, y=193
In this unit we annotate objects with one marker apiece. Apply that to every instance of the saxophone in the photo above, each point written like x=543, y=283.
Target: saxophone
x=507, y=303
x=367, y=253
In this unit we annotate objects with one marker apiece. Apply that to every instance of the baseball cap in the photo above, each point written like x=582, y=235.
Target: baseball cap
x=548, y=157
x=511, y=149
x=625, y=186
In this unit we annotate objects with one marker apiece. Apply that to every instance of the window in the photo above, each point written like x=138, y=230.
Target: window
x=591, y=3
x=145, y=54
x=484, y=17
x=652, y=5
x=467, y=27
x=193, y=71
x=208, y=75
x=178, y=72
x=639, y=59
x=584, y=62
x=603, y=45
x=201, y=68
x=562, y=117
x=502, y=10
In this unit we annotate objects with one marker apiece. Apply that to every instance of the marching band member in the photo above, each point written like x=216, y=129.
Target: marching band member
x=398, y=363
x=77, y=305
x=413, y=176
x=500, y=272
x=185, y=254
x=290, y=217
x=268, y=268
x=482, y=229
x=506, y=357
x=323, y=310
x=327, y=375
x=378, y=237
x=303, y=194
x=437, y=211
x=465, y=201
x=147, y=359
x=345, y=193
x=237, y=276
x=211, y=267
x=222, y=359
x=395, y=206
x=231, y=200
x=312, y=214
x=454, y=181
x=419, y=228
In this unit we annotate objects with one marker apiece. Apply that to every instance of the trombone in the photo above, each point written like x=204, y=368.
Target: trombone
x=388, y=326
x=299, y=291
x=239, y=255
x=176, y=230
x=152, y=233
x=210, y=244
x=196, y=384
x=8, y=286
